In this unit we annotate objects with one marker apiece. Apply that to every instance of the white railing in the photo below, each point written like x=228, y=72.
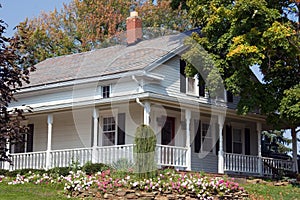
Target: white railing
x=241, y=163
x=65, y=157
x=165, y=156
x=32, y=160
x=171, y=155
x=272, y=166
x=111, y=154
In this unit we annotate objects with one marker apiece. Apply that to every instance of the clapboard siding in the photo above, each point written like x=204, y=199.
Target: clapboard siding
x=208, y=164
x=72, y=130
x=39, y=132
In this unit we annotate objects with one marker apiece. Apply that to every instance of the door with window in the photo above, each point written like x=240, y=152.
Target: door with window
x=167, y=138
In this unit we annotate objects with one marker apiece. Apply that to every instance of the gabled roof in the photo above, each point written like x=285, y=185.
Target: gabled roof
x=101, y=62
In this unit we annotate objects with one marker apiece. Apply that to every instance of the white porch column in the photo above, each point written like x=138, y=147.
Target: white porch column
x=147, y=109
x=7, y=164
x=188, y=140
x=294, y=147
x=95, y=136
x=258, y=129
x=221, y=120
x=49, y=141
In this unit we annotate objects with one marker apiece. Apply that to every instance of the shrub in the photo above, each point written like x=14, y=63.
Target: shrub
x=62, y=171
x=144, y=149
x=92, y=168
x=24, y=171
x=3, y=172
x=123, y=164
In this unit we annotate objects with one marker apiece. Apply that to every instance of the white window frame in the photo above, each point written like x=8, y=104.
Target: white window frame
x=240, y=127
x=106, y=114
x=195, y=86
x=110, y=90
x=113, y=131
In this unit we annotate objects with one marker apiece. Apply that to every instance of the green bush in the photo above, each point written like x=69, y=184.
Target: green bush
x=92, y=168
x=144, y=151
x=3, y=172
x=24, y=171
x=62, y=171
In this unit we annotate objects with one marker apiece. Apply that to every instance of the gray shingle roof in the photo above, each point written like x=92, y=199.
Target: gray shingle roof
x=111, y=60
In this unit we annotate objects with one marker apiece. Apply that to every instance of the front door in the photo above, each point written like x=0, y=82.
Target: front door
x=167, y=138
x=168, y=132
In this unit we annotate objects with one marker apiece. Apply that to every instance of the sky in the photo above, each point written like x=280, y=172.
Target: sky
x=15, y=11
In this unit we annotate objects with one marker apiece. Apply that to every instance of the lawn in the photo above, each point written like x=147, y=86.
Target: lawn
x=269, y=191
x=31, y=191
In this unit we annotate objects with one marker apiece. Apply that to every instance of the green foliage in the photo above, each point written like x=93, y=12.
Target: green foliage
x=290, y=106
x=144, y=151
x=240, y=34
x=24, y=171
x=123, y=164
x=61, y=171
x=3, y=172
x=92, y=168
x=274, y=143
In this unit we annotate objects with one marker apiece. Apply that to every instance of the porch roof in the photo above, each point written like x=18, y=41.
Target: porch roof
x=106, y=61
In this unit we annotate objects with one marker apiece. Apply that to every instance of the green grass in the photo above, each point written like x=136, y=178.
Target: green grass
x=31, y=191
x=269, y=191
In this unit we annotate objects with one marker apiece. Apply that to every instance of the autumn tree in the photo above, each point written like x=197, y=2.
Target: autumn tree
x=239, y=35
x=12, y=77
x=85, y=25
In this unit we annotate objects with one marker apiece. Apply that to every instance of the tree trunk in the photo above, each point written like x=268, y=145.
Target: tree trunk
x=294, y=145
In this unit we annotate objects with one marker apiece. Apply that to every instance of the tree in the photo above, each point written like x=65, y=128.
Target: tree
x=12, y=77
x=85, y=25
x=144, y=149
x=240, y=34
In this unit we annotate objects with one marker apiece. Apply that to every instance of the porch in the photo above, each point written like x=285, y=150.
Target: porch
x=170, y=156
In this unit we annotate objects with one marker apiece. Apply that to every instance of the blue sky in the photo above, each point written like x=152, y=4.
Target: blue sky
x=15, y=11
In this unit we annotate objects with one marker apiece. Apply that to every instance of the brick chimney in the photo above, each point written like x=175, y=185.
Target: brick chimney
x=134, y=28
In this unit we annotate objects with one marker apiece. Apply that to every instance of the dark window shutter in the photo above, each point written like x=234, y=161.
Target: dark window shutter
x=217, y=144
x=247, y=141
x=229, y=96
x=121, y=128
x=182, y=76
x=29, y=147
x=197, y=141
x=228, y=139
x=201, y=86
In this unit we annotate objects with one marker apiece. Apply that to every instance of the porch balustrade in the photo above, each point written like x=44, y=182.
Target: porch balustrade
x=165, y=156
x=31, y=160
x=241, y=163
x=272, y=166
x=65, y=157
x=171, y=155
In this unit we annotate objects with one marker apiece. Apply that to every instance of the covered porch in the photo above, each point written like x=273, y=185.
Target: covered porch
x=185, y=140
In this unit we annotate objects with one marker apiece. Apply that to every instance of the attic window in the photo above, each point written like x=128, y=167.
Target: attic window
x=106, y=91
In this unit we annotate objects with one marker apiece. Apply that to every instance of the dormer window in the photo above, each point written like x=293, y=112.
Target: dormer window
x=106, y=91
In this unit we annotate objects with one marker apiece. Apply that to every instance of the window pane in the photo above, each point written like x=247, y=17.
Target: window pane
x=109, y=130
x=237, y=135
x=237, y=148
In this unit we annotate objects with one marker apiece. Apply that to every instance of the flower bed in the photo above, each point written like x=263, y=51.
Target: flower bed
x=109, y=184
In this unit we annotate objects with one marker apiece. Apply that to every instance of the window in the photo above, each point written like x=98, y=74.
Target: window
x=113, y=131
x=229, y=96
x=106, y=91
x=26, y=145
x=203, y=137
x=237, y=144
x=206, y=138
x=109, y=131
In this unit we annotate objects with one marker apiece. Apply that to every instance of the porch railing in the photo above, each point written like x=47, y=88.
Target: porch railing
x=65, y=157
x=165, y=156
x=273, y=166
x=241, y=163
x=31, y=160
x=111, y=154
x=171, y=155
